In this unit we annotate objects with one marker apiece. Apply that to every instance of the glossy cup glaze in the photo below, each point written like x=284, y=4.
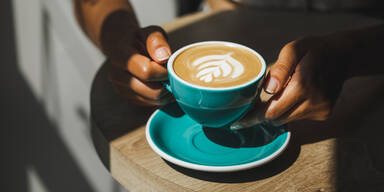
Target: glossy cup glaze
x=214, y=107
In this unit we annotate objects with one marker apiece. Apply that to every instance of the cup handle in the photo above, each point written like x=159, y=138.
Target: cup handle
x=167, y=85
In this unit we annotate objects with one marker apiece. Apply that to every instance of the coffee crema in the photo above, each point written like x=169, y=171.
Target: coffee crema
x=217, y=65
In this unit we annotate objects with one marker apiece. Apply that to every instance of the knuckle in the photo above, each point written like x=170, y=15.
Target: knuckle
x=146, y=72
x=271, y=114
x=156, y=95
x=323, y=115
x=280, y=68
x=299, y=88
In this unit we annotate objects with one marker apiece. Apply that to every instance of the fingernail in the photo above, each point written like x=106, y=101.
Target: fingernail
x=162, y=54
x=272, y=85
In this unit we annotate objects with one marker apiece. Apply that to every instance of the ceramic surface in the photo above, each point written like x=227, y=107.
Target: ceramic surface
x=179, y=139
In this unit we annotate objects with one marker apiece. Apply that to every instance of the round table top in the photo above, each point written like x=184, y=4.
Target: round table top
x=343, y=153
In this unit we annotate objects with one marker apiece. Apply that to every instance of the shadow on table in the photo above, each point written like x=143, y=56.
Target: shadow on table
x=276, y=166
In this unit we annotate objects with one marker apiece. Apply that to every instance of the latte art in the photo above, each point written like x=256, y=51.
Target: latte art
x=217, y=65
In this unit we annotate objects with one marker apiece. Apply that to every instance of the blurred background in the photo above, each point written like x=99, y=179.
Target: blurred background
x=47, y=66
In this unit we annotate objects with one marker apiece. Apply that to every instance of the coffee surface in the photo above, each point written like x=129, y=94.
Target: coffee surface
x=217, y=65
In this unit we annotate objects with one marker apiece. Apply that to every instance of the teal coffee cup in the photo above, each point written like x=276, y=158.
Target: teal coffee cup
x=214, y=106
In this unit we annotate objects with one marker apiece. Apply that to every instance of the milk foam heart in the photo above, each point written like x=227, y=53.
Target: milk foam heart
x=214, y=66
x=217, y=65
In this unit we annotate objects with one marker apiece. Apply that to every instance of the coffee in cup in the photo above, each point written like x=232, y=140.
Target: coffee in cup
x=217, y=65
x=215, y=82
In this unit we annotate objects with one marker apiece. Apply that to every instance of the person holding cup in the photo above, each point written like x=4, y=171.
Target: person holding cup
x=305, y=80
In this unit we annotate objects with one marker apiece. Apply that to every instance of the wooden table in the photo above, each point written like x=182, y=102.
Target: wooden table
x=344, y=153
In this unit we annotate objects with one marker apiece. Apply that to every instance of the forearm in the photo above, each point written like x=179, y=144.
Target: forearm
x=106, y=22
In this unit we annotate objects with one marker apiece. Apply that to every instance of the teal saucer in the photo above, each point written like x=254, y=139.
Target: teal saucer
x=179, y=139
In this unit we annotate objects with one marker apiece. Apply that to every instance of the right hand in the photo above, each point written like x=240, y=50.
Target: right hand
x=137, y=77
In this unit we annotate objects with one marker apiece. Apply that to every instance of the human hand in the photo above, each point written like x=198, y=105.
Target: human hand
x=137, y=71
x=305, y=80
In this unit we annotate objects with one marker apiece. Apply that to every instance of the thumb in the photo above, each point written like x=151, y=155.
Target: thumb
x=156, y=44
x=282, y=69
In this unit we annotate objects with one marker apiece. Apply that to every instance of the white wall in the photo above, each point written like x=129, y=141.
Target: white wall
x=59, y=63
x=154, y=12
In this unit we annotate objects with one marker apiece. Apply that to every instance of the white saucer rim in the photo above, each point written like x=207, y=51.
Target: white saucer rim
x=208, y=168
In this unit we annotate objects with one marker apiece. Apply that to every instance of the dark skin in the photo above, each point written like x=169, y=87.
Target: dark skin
x=305, y=80
x=137, y=55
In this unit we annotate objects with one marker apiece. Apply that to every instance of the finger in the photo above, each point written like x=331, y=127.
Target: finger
x=144, y=69
x=140, y=100
x=280, y=72
x=156, y=43
x=289, y=97
x=305, y=110
x=152, y=91
x=149, y=90
x=297, y=112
